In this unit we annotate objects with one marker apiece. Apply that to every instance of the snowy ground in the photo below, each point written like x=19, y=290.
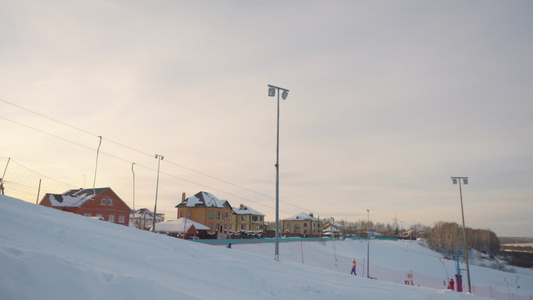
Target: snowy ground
x=49, y=254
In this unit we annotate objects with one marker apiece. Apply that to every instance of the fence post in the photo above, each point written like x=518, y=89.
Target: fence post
x=364, y=264
x=38, y=192
x=302, y=247
x=3, y=177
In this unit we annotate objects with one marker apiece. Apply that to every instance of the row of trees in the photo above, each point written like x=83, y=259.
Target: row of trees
x=446, y=235
x=442, y=236
x=360, y=228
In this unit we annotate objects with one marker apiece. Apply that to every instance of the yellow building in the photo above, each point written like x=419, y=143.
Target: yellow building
x=208, y=210
x=302, y=224
x=248, y=219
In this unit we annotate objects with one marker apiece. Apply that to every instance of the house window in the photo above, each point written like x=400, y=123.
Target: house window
x=243, y=218
x=111, y=218
x=254, y=218
x=99, y=216
x=305, y=231
x=297, y=228
x=181, y=213
x=87, y=214
x=121, y=219
x=189, y=213
x=210, y=225
x=103, y=201
x=218, y=215
x=305, y=224
x=210, y=216
x=257, y=227
x=109, y=201
x=243, y=226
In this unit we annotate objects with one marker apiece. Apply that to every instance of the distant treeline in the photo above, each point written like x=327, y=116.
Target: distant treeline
x=448, y=236
x=443, y=235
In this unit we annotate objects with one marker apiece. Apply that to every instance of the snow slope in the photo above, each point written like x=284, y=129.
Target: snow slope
x=391, y=261
x=49, y=254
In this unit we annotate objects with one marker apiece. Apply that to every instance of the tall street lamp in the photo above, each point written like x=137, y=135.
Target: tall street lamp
x=368, y=245
x=159, y=159
x=271, y=93
x=465, y=181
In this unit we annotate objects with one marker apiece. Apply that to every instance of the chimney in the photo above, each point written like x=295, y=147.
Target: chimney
x=242, y=207
x=183, y=197
x=311, y=215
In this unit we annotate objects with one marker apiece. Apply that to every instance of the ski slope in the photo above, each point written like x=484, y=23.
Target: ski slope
x=50, y=254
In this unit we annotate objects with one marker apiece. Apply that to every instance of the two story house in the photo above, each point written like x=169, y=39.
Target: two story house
x=303, y=225
x=99, y=202
x=208, y=210
x=248, y=219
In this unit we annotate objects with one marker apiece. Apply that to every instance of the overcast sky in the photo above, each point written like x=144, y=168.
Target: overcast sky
x=387, y=101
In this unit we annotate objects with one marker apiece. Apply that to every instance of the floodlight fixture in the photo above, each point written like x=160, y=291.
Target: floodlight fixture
x=271, y=91
x=284, y=94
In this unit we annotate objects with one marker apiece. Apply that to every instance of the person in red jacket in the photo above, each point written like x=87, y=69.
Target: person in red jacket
x=450, y=284
x=354, y=266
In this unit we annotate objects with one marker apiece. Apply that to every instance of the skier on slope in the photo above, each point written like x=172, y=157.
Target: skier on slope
x=354, y=266
x=450, y=285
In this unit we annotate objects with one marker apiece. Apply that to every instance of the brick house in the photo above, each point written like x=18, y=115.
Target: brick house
x=100, y=202
x=248, y=219
x=207, y=210
x=303, y=225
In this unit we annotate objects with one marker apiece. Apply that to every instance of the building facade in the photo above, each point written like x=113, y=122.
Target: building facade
x=248, y=220
x=208, y=210
x=303, y=224
x=99, y=202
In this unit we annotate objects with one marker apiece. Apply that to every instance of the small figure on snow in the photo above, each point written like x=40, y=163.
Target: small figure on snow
x=354, y=266
x=450, y=284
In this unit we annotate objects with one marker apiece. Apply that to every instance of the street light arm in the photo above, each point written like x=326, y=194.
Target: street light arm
x=277, y=87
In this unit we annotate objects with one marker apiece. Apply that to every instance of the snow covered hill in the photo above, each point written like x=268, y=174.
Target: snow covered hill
x=50, y=254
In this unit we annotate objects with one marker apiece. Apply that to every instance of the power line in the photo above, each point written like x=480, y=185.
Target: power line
x=144, y=153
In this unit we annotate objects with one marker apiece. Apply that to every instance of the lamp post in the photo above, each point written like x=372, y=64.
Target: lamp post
x=159, y=159
x=368, y=245
x=465, y=181
x=271, y=93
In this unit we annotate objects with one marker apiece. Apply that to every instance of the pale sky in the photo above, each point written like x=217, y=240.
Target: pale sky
x=387, y=101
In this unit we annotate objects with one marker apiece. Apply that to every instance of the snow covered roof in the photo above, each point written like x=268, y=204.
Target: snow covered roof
x=245, y=210
x=74, y=198
x=302, y=216
x=144, y=213
x=204, y=199
x=179, y=225
x=331, y=229
x=336, y=224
